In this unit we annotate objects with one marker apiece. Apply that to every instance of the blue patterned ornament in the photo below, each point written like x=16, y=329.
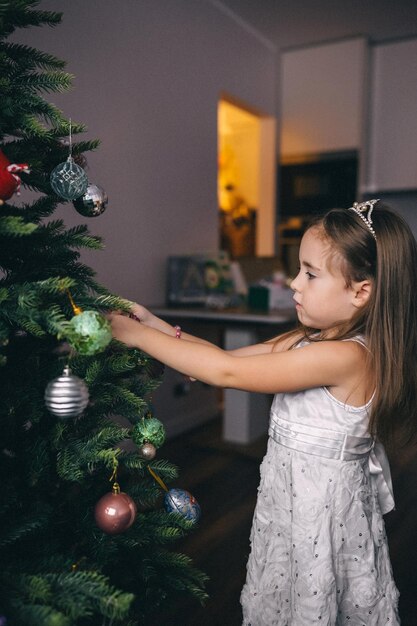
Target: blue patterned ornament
x=68, y=180
x=182, y=502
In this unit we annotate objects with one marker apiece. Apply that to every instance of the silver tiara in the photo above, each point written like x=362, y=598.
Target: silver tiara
x=361, y=208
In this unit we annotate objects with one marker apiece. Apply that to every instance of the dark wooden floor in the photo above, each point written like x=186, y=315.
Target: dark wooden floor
x=224, y=479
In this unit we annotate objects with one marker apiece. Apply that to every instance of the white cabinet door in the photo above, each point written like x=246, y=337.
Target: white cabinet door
x=392, y=156
x=323, y=98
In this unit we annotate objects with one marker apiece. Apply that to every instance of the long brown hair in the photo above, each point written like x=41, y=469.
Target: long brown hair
x=389, y=319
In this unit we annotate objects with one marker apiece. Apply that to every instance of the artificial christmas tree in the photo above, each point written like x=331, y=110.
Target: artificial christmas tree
x=69, y=399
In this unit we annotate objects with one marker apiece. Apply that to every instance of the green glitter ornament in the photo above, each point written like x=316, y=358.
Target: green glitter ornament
x=89, y=332
x=149, y=430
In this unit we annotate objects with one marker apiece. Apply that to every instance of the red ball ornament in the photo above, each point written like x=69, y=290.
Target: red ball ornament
x=9, y=180
x=115, y=512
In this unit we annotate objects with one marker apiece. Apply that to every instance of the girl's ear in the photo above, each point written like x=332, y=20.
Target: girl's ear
x=361, y=293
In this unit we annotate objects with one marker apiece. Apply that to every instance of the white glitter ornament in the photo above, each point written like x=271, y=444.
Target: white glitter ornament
x=68, y=180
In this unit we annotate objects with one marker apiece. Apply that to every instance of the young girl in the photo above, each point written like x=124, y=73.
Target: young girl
x=345, y=384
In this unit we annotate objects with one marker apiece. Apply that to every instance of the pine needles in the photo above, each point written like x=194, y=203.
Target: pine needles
x=58, y=567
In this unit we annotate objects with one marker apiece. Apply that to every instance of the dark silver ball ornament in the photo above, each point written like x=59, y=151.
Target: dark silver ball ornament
x=66, y=396
x=93, y=202
x=147, y=451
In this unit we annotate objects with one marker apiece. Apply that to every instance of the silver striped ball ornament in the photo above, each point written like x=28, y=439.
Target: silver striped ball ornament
x=66, y=396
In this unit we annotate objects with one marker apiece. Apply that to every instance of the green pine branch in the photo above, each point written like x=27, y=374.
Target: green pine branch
x=15, y=226
x=35, y=614
x=20, y=54
x=57, y=469
x=16, y=14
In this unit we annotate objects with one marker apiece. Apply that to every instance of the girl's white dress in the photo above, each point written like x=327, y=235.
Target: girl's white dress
x=319, y=552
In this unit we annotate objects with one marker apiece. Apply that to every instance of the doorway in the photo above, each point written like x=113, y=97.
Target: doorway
x=246, y=179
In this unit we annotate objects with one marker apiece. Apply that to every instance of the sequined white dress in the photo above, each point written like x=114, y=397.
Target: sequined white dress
x=319, y=552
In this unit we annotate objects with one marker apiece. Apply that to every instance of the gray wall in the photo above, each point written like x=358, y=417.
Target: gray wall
x=148, y=78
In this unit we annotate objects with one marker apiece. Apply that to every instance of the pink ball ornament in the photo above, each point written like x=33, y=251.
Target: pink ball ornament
x=115, y=512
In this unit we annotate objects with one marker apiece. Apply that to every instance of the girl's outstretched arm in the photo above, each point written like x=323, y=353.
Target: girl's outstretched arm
x=148, y=318
x=329, y=363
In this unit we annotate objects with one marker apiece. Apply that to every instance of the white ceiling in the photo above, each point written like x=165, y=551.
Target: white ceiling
x=288, y=23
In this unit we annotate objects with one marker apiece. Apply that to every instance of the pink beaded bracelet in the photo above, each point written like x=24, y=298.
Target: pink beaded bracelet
x=177, y=332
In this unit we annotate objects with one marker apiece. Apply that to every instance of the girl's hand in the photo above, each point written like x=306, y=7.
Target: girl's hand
x=123, y=329
x=142, y=314
x=147, y=318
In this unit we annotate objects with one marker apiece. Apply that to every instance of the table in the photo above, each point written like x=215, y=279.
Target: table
x=245, y=415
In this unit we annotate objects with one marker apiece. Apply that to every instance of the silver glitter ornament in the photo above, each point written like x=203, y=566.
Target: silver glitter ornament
x=92, y=203
x=68, y=180
x=66, y=396
x=147, y=451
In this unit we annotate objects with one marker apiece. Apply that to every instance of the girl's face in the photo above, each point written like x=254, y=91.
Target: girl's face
x=322, y=298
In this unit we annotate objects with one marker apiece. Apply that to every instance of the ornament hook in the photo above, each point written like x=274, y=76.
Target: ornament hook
x=158, y=479
x=76, y=309
x=70, y=138
x=113, y=476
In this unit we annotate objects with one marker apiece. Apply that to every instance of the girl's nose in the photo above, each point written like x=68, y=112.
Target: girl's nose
x=294, y=283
